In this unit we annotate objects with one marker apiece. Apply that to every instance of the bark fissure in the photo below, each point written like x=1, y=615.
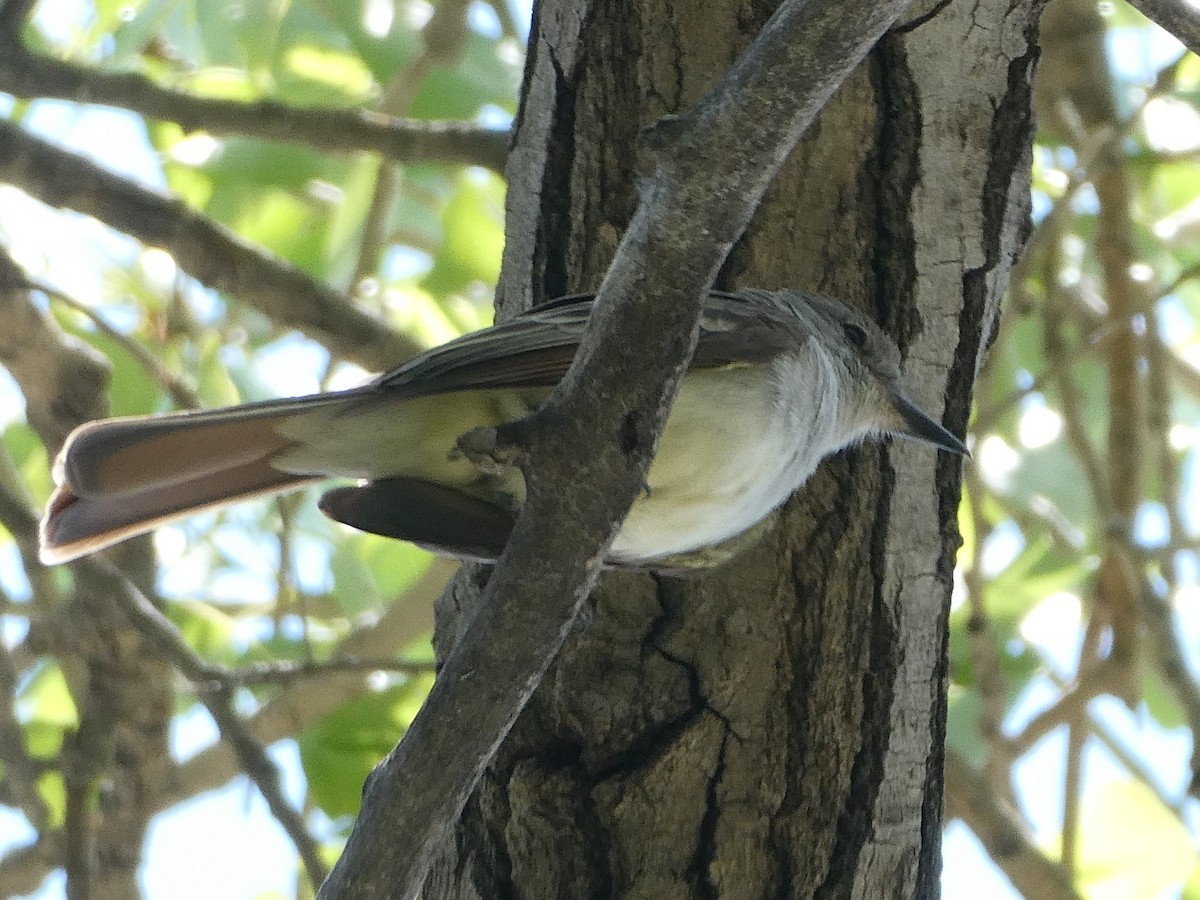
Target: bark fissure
x=1008, y=152
x=898, y=146
x=706, y=839
x=806, y=649
x=856, y=821
x=556, y=281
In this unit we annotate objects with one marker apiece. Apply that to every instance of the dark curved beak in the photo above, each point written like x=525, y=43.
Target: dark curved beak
x=919, y=426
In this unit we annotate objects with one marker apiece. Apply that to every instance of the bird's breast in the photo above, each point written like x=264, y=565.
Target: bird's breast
x=733, y=449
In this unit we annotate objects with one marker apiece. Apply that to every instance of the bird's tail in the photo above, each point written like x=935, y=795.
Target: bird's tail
x=122, y=477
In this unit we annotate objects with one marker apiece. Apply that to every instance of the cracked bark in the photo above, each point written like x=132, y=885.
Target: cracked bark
x=774, y=728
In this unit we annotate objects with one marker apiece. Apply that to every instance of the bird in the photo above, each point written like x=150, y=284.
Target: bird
x=778, y=381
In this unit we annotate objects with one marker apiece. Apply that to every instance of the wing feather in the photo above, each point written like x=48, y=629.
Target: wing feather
x=535, y=349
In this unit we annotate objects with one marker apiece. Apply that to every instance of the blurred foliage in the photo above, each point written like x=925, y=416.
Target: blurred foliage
x=1032, y=637
x=1040, y=645
x=268, y=582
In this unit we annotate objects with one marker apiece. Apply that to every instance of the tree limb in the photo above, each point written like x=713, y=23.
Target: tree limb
x=25, y=74
x=210, y=252
x=710, y=168
x=970, y=798
x=13, y=14
x=157, y=629
x=1177, y=17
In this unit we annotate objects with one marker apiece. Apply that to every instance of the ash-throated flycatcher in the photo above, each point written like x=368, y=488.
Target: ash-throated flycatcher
x=779, y=380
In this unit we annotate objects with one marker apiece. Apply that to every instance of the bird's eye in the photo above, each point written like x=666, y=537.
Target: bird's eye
x=854, y=334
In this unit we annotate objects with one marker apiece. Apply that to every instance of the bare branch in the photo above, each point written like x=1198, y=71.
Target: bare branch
x=13, y=14
x=20, y=770
x=181, y=394
x=1070, y=707
x=110, y=583
x=1170, y=657
x=63, y=380
x=283, y=672
x=1177, y=17
x=300, y=704
x=24, y=74
x=23, y=869
x=210, y=252
x=265, y=775
x=970, y=798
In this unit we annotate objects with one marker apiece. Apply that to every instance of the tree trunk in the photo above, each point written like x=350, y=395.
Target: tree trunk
x=775, y=727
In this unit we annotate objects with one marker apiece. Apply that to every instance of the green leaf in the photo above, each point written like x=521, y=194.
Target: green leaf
x=1038, y=571
x=258, y=33
x=1133, y=848
x=369, y=570
x=485, y=76
x=962, y=724
x=1173, y=186
x=131, y=29
x=54, y=794
x=339, y=751
x=220, y=42
x=131, y=389
x=44, y=740
x=215, y=386
x=473, y=236
x=46, y=698
x=46, y=711
x=209, y=631
x=384, y=56
x=1161, y=700
x=394, y=565
x=28, y=455
x=318, y=76
x=353, y=585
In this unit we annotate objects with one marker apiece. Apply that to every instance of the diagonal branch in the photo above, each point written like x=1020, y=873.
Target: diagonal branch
x=13, y=14
x=211, y=253
x=707, y=171
x=1178, y=18
x=969, y=797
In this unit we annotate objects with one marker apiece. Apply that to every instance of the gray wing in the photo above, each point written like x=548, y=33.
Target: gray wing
x=536, y=348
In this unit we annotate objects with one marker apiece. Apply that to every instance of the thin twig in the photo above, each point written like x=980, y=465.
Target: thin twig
x=989, y=677
x=1136, y=767
x=443, y=40
x=1058, y=359
x=1077, y=734
x=153, y=625
x=266, y=777
x=20, y=770
x=1068, y=707
x=282, y=672
x=180, y=392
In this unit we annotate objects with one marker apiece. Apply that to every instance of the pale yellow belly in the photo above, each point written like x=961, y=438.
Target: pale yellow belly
x=722, y=464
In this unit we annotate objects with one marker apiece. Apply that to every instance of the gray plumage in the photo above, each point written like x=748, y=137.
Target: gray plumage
x=778, y=381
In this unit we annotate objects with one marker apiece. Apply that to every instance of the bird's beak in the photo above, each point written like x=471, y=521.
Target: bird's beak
x=914, y=423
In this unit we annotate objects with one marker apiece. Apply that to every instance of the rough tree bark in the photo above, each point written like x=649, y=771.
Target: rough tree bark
x=774, y=728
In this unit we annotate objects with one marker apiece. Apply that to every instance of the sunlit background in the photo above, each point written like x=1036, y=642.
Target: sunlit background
x=1034, y=535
